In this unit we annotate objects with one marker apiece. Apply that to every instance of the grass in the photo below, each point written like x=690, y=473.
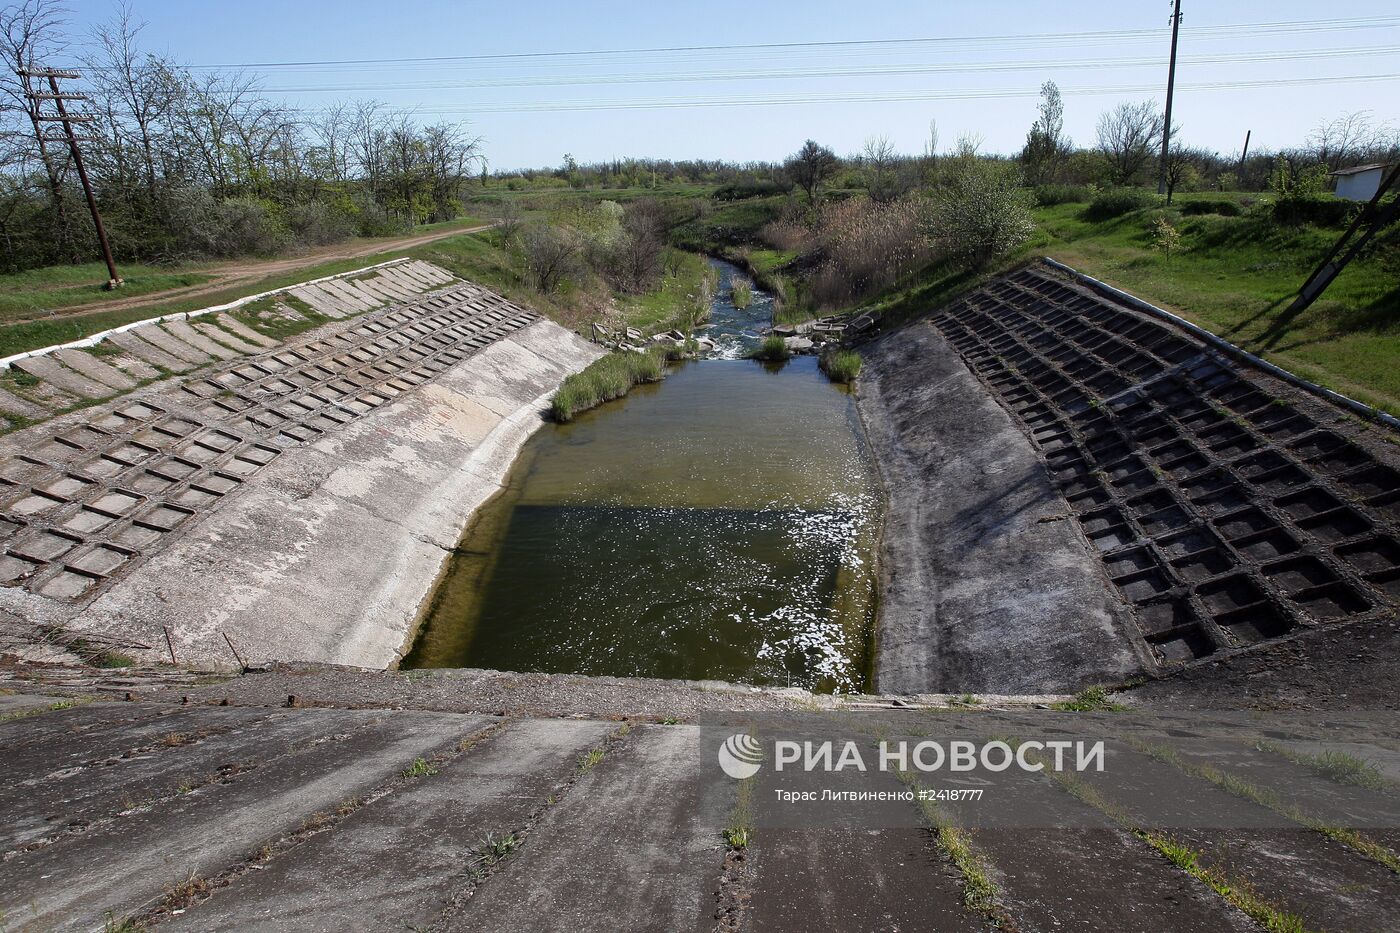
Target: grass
x=1265, y=797
x=773, y=349
x=40, y=291
x=841, y=365
x=1236, y=276
x=1234, y=891
x=738, y=833
x=607, y=378
x=980, y=892
x=741, y=293
x=590, y=759
x=1334, y=766
x=420, y=768
x=1089, y=700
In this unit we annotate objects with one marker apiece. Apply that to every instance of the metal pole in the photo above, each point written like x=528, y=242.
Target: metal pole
x=115, y=280
x=1171, y=89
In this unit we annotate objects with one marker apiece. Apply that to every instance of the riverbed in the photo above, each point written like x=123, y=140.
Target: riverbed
x=717, y=525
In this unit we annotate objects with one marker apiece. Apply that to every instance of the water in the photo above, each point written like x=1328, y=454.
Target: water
x=735, y=331
x=716, y=525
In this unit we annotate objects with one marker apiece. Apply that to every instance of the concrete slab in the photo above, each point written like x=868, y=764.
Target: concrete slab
x=183, y=331
x=318, y=300
x=979, y=559
x=401, y=861
x=229, y=322
x=71, y=884
x=225, y=337
x=12, y=404
x=349, y=299
x=62, y=378
x=634, y=846
x=143, y=349
x=153, y=333
x=95, y=369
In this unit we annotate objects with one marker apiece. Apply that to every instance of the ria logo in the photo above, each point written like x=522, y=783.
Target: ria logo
x=740, y=756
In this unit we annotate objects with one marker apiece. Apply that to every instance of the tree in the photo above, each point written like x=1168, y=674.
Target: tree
x=878, y=162
x=979, y=213
x=1128, y=135
x=1350, y=140
x=1184, y=167
x=1045, y=143
x=551, y=255
x=810, y=166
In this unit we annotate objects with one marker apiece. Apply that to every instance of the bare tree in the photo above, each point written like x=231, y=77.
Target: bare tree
x=1128, y=135
x=551, y=255
x=879, y=162
x=1349, y=140
x=810, y=166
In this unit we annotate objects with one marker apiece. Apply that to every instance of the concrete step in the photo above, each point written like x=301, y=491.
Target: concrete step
x=634, y=846
x=95, y=369
x=133, y=343
x=399, y=862
x=216, y=333
x=229, y=322
x=186, y=333
x=73, y=883
x=62, y=378
x=153, y=333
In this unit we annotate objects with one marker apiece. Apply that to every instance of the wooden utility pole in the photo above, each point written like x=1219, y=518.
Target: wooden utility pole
x=1171, y=90
x=1372, y=220
x=63, y=116
x=1245, y=154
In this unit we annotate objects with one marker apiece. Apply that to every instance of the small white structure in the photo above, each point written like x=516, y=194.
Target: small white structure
x=1359, y=183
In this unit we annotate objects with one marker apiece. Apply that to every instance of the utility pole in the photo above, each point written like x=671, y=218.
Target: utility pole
x=1171, y=89
x=58, y=97
x=1245, y=154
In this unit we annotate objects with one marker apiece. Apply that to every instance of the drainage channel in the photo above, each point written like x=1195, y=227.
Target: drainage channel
x=718, y=525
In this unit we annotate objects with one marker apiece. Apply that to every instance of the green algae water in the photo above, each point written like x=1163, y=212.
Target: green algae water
x=717, y=525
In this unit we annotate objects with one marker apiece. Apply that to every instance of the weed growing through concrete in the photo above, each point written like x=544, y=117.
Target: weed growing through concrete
x=739, y=833
x=1235, y=891
x=1334, y=766
x=113, y=924
x=980, y=892
x=1090, y=700
x=1269, y=799
x=494, y=848
x=421, y=767
x=589, y=760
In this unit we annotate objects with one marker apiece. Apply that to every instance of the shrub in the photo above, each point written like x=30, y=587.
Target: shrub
x=740, y=293
x=841, y=365
x=750, y=188
x=980, y=214
x=318, y=223
x=1165, y=237
x=1119, y=201
x=1051, y=195
x=773, y=349
x=1222, y=206
x=605, y=379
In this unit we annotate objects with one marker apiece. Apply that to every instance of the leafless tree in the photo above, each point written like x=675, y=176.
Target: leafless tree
x=879, y=162
x=1128, y=136
x=810, y=167
x=551, y=255
x=1351, y=139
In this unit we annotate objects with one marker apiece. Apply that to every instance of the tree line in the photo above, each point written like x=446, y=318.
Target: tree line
x=191, y=164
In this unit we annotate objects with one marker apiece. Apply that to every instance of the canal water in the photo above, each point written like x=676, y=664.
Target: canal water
x=717, y=525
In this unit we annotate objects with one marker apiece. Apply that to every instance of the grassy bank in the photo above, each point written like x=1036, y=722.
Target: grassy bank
x=605, y=379
x=1236, y=276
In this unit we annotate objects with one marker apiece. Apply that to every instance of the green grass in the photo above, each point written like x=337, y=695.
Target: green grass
x=741, y=293
x=1335, y=766
x=1236, y=276
x=738, y=833
x=773, y=349
x=39, y=291
x=671, y=305
x=420, y=768
x=604, y=379
x=1089, y=700
x=841, y=365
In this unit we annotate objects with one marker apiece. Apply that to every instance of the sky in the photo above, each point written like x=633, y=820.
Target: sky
x=541, y=78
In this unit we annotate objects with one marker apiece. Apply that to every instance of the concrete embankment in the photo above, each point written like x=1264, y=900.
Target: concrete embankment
x=986, y=586
x=294, y=505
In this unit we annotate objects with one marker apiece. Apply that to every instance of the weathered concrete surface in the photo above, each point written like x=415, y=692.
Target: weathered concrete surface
x=327, y=554
x=987, y=586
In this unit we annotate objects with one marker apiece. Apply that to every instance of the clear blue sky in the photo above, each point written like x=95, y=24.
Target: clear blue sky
x=1027, y=42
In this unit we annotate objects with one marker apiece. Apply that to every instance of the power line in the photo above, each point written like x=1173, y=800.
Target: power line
x=891, y=71
x=681, y=103
x=1259, y=28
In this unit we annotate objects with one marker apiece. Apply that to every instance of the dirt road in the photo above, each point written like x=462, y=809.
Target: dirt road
x=238, y=272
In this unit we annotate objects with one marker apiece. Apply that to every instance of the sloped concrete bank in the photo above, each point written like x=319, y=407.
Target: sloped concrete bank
x=326, y=553
x=986, y=586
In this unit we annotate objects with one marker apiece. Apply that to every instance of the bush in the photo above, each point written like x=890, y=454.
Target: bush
x=1222, y=206
x=605, y=379
x=740, y=293
x=841, y=365
x=319, y=224
x=1325, y=211
x=750, y=188
x=1119, y=201
x=1166, y=238
x=1051, y=195
x=980, y=214
x=773, y=349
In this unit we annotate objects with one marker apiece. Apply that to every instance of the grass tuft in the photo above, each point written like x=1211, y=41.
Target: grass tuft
x=604, y=380
x=421, y=767
x=841, y=365
x=773, y=349
x=1090, y=700
x=1335, y=766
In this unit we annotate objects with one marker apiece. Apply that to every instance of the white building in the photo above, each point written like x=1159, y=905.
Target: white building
x=1359, y=183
